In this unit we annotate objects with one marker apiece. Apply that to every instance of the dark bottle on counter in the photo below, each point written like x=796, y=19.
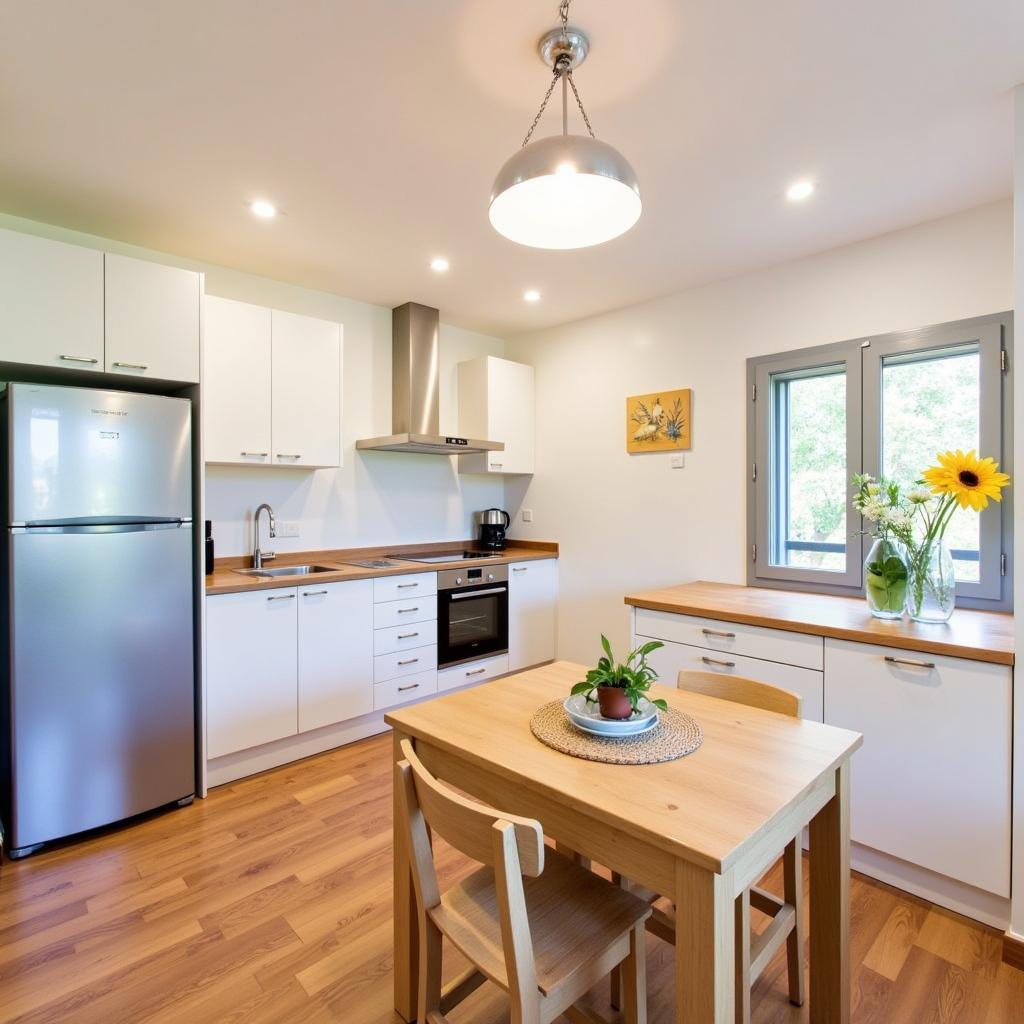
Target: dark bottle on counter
x=209, y=547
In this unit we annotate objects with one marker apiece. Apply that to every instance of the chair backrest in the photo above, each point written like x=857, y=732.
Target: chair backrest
x=511, y=845
x=742, y=691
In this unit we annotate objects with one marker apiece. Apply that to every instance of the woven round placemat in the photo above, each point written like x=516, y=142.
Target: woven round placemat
x=675, y=735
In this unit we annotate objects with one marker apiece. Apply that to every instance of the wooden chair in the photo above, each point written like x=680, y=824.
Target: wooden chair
x=753, y=953
x=545, y=940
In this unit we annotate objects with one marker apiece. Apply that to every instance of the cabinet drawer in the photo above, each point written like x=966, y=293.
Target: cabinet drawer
x=670, y=660
x=472, y=672
x=733, y=638
x=391, y=588
x=931, y=784
x=404, y=612
x=404, y=663
x=404, y=638
x=400, y=691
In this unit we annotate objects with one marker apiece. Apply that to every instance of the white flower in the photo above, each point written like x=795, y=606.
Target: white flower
x=919, y=495
x=873, y=489
x=897, y=519
x=874, y=509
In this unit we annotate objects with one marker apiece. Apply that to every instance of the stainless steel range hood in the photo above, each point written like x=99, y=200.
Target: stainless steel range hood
x=415, y=374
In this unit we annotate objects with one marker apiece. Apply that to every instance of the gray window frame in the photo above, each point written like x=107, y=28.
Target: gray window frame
x=863, y=360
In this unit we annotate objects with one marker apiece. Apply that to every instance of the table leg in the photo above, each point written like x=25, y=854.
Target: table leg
x=830, y=907
x=705, y=953
x=406, y=928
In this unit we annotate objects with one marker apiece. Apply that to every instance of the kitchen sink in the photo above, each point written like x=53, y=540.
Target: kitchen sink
x=286, y=570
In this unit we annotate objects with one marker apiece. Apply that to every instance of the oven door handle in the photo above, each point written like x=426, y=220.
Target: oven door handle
x=478, y=593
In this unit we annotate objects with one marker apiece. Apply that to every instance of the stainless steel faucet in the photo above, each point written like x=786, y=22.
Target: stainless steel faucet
x=259, y=557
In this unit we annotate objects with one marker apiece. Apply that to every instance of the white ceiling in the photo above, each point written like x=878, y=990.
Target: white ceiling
x=378, y=128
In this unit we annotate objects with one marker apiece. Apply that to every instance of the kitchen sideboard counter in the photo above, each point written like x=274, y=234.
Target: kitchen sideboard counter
x=226, y=581
x=976, y=635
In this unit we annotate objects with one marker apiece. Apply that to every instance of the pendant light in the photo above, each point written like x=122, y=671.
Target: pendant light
x=565, y=191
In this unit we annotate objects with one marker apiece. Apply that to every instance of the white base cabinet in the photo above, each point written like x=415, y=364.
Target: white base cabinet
x=251, y=669
x=931, y=784
x=335, y=652
x=532, y=612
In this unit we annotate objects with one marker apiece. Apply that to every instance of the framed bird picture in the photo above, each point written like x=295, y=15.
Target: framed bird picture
x=659, y=422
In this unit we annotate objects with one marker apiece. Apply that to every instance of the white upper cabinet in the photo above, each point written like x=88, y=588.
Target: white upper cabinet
x=51, y=303
x=236, y=382
x=496, y=403
x=152, y=319
x=532, y=612
x=306, y=391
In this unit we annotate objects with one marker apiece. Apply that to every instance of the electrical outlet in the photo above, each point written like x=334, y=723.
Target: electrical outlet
x=288, y=529
x=527, y=515
x=677, y=462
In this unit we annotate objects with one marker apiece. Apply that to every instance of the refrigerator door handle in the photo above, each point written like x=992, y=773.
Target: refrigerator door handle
x=169, y=524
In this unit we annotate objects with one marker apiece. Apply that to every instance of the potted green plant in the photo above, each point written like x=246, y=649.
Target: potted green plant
x=620, y=686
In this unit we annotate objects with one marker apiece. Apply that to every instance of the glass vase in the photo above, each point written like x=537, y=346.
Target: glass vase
x=885, y=579
x=931, y=590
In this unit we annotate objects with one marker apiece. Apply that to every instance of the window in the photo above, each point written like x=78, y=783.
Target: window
x=885, y=406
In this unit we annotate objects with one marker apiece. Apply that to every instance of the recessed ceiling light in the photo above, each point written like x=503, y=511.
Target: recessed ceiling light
x=800, y=190
x=263, y=208
x=439, y=264
x=531, y=295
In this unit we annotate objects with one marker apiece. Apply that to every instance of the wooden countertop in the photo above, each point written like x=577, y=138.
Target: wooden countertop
x=980, y=636
x=226, y=581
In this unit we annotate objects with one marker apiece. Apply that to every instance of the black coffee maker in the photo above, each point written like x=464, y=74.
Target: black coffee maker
x=493, y=524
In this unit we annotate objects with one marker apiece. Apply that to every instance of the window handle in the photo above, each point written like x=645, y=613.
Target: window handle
x=719, y=632
x=716, y=661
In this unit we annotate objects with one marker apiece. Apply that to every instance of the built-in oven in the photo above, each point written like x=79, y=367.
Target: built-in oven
x=472, y=613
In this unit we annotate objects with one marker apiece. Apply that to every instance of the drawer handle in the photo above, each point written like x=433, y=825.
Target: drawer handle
x=79, y=359
x=282, y=597
x=406, y=636
x=132, y=366
x=255, y=455
x=715, y=661
x=405, y=586
x=283, y=455
x=476, y=672
x=520, y=570
x=909, y=661
x=719, y=632
x=404, y=611
x=414, y=686
x=409, y=661
x=313, y=593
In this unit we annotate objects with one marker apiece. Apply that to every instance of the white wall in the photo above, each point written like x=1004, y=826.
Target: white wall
x=630, y=522
x=377, y=498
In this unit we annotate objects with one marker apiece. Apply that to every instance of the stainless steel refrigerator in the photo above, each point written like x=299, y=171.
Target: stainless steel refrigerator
x=99, y=707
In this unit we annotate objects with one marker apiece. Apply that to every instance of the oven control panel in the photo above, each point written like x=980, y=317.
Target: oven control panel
x=478, y=576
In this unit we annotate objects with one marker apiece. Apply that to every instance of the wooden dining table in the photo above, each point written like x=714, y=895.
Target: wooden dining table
x=700, y=829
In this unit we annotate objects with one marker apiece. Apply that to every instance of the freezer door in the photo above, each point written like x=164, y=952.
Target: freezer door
x=81, y=455
x=102, y=681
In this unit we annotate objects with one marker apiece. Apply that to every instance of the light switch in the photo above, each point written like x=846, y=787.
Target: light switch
x=288, y=529
x=677, y=462
x=527, y=515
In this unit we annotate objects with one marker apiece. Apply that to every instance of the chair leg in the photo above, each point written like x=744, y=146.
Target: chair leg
x=615, y=978
x=742, y=946
x=793, y=894
x=633, y=972
x=430, y=969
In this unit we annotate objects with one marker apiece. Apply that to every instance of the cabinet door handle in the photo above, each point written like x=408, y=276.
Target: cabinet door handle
x=716, y=661
x=521, y=570
x=476, y=672
x=254, y=455
x=282, y=597
x=719, y=632
x=405, y=586
x=497, y=465
x=404, y=611
x=414, y=686
x=131, y=366
x=909, y=661
x=284, y=455
x=313, y=593
x=406, y=636
x=408, y=661
x=79, y=359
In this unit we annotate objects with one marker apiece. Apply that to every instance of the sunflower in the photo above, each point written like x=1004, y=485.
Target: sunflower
x=972, y=481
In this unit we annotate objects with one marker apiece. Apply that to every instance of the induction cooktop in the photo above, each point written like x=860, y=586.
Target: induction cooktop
x=451, y=556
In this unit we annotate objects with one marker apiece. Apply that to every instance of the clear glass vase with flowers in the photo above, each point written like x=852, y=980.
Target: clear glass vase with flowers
x=886, y=570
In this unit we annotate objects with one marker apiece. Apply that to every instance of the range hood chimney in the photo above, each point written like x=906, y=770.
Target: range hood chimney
x=415, y=376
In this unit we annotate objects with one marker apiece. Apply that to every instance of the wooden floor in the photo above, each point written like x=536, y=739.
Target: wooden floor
x=271, y=902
